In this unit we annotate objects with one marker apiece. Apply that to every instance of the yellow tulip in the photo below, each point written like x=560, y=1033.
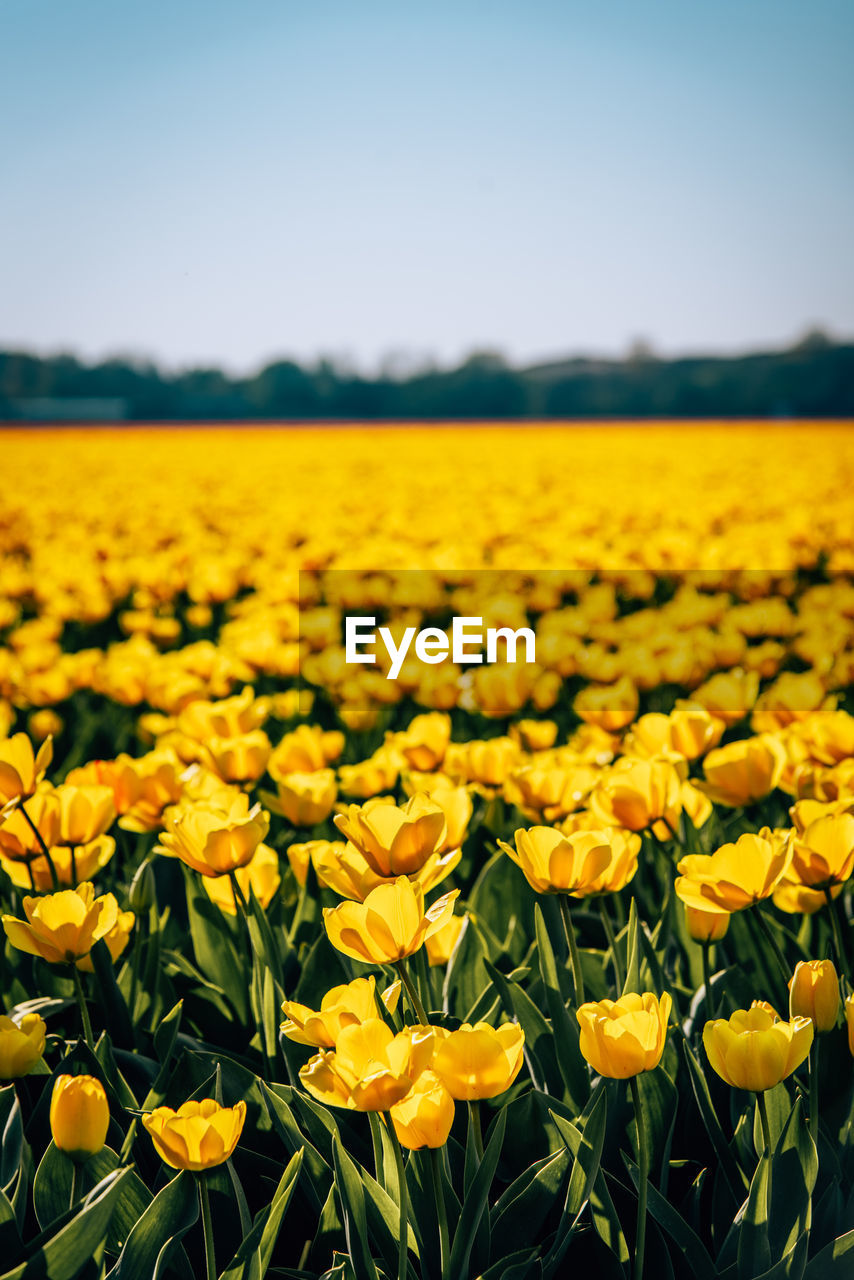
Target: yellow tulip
x=754, y=1050
x=18, y=841
x=737, y=875
x=706, y=926
x=389, y=925
x=425, y=740
x=240, y=759
x=260, y=875
x=849, y=1021
x=425, y=1116
x=729, y=695
x=823, y=857
x=610, y=706
x=116, y=939
x=394, y=839
x=622, y=1038
x=79, y=1116
x=304, y=798
x=307, y=748
x=214, y=838
x=63, y=927
x=198, y=1136
x=21, y=1045
x=744, y=771
x=440, y=946
x=22, y=769
x=71, y=864
x=84, y=813
x=341, y=1007
x=227, y=718
x=534, y=735
x=371, y=1068
x=636, y=793
x=814, y=993
x=479, y=1061
x=554, y=863
x=343, y=868
x=550, y=792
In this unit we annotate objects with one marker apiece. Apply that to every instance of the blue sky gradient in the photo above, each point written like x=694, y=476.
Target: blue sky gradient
x=224, y=182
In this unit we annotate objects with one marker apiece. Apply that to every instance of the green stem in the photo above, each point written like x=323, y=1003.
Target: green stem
x=838, y=940
x=612, y=943
x=813, y=1070
x=84, y=1012
x=474, y=1125
x=207, y=1227
x=707, y=980
x=45, y=851
x=643, y=1177
x=767, y=934
x=239, y=900
x=575, y=959
x=404, y=1201
x=762, y=1108
x=414, y=998
x=73, y=1196
x=377, y=1144
x=441, y=1212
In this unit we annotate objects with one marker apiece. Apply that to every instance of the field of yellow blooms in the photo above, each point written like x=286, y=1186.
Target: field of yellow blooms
x=366, y=971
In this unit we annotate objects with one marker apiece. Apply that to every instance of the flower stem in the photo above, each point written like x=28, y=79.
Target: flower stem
x=207, y=1227
x=838, y=941
x=765, y=930
x=45, y=851
x=414, y=998
x=643, y=1177
x=441, y=1213
x=239, y=900
x=813, y=1069
x=612, y=943
x=73, y=1194
x=707, y=981
x=84, y=1012
x=474, y=1126
x=575, y=959
x=402, y=1263
x=762, y=1108
x=377, y=1144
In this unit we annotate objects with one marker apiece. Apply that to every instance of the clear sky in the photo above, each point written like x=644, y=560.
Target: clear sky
x=228, y=180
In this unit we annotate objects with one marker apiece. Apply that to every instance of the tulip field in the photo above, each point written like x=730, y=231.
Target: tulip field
x=447, y=965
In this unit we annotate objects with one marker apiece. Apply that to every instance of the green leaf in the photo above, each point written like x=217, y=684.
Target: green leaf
x=255, y=1253
x=731, y=1169
x=116, y=1015
x=52, y=1191
x=632, y=982
x=682, y=1235
x=564, y=1027
x=795, y=1169
x=528, y=1200
x=319, y=1180
x=475, y=1202
x=834, y=1262
x=754, y=1249
x=11, y=1136
x=539, y=1042
x=586, y=1183
x=10, y=1240
x=352, y=1196
x=77, y=1237
x=169, y=1216
x=215, y=952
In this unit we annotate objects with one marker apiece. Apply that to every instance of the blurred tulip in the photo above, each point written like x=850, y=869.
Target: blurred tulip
x=21, y=1045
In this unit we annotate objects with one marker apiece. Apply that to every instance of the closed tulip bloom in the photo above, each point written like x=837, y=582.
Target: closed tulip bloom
x=744, y=771
x=625, y=847
x=63, y=927
x=389, y=925
x=440, y=946
x=814, y=993
x=729, y=695
x=22, y=769
x=754, y=1050
x=79, y=1116
x=485, y=763
x=824, y=856
x=535, y=735
x=693, y=729
x=395, y=839
x=304, y=798
x=84, y=813
x=425, y=1116
x=706, y=926
x=240, y=759
x=622, y=1038
x=198, y=1136
x=849, y=1021
x=307, y=748
x=454, y=801
x=551, y=792
x=425, y=740
x=479, y=1061
x=341, y=1007
x=554, y=863
x=370, y=777
x=260, y=876
x=737, y=875
x=21, y=1045
x=214, y=839
x=637, y=793
x=371, y=1068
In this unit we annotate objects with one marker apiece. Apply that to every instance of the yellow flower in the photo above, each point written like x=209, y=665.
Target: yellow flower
x=744, y=771
x=426, y=1114
x=455, y=802
x=554, y=863
x=227, y=718
x=341, y=1007
x=636, y=793
x=440, y=945
x=550, y=792
x=198, y=1136
x=824, y=856
x=371, y=1068
x=622, y=1038
x=534, y=735
x=706, y=926
x=389, y=925
x=797, y=899
x=116, y=939
x=84, y=813
x=753, y=1049
x=479, y=1061
x=307, y=748
x=212, y=838
x=18, y=841
x=304, y=798
x=63, y=927
x=21, y=770
x=425, y=740
x=610, y=706
x=729, y=695
x=814, y=993
x=737, y=875
x=485, y=763
x=72, y=864
x=240, y=759
x=342, y=867
x=44, y=724
x=625, y=847
x=394, y=839
x=21, y=1045
x=79, y=1116
x=849, y=1021
x=260, y=874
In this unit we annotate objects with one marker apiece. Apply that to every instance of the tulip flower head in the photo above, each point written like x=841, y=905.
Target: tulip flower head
x=737, y=875
x=479, y=1061
x=622, y=1038
x=555, y=863
x=814, y=993
x=63, y=927
x=371, y=1068
x=21, y=1045
x=341, y=1007
x=198, y=1136
x=753, y=1049
x=390, y=924
x=217, y=837
x=79, y=1116
x=425, y=1116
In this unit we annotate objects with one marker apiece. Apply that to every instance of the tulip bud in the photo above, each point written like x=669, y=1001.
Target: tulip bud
x=814, y=993
x=79, y=1116
x=143, y=889
x=706, y=926
x=849, y=1019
